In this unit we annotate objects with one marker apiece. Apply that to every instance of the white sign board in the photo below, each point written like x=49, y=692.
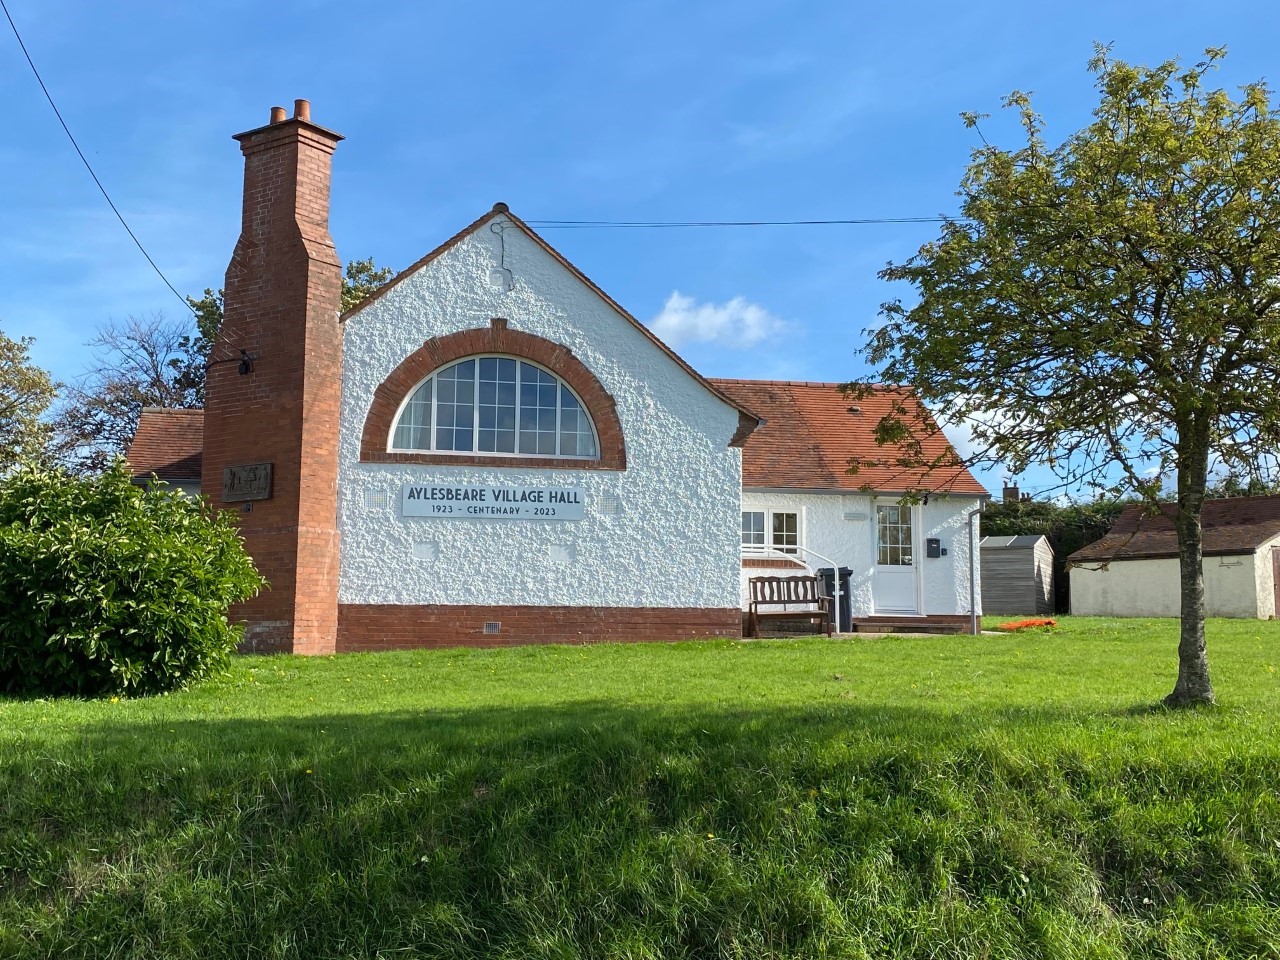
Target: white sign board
x=491, y=502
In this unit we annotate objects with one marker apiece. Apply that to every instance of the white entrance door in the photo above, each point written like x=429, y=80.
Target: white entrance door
x=893, y=586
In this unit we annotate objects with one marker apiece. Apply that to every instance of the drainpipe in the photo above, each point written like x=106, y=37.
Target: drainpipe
x=973, y=585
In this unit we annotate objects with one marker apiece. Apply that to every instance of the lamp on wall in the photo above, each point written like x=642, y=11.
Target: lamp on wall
x=246, y=362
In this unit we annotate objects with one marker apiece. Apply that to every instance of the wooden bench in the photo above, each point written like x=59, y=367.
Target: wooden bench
x=788, y=591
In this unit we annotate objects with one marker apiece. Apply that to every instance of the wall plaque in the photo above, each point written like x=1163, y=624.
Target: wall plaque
x=250, y=481
x=491, y=502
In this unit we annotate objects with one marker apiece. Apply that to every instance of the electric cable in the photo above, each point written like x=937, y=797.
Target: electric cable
x=83, y=159
x=673, y=224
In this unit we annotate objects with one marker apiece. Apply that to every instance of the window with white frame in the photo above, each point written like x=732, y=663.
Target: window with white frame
x=785, y=532
x=496, y=405
x=753, y=528
x=776, y=529
x=893, y=536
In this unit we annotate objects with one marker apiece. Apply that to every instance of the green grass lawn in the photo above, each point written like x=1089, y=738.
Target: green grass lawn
x=1010, y=796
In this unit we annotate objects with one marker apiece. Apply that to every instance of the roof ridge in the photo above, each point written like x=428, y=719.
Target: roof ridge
x=806, y=383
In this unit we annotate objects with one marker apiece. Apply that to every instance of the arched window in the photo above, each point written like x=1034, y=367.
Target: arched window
x=495, y=405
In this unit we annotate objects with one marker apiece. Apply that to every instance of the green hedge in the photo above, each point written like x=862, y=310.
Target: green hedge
x=108, y=587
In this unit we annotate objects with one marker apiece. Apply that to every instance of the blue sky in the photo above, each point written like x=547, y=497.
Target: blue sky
x=593, y=111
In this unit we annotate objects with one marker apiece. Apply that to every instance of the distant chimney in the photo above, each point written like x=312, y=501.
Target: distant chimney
x=1011, y=494
x=273, y=387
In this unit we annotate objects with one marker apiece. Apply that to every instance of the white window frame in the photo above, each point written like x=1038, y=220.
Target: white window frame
x=768, y=544
x=911, y=527
x=789, y=549
x=475, y=420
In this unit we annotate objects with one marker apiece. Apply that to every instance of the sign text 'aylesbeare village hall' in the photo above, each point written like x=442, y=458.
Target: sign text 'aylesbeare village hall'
x=490, y=502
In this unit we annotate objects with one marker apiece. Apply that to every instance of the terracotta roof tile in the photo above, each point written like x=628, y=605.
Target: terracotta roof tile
x=810, y=436
x=168, y=443
x=1232, y=526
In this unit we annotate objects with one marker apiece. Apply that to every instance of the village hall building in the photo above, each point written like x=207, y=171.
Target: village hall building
x=490, y=450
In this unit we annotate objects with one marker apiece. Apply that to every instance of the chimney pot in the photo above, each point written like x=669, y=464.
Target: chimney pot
x=302, y=110
x=277, y=114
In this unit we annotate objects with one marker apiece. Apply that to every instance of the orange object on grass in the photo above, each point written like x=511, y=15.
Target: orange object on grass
x=1027, y=624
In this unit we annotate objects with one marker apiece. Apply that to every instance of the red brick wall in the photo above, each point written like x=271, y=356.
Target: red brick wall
x=283, y=291
x=393, y=627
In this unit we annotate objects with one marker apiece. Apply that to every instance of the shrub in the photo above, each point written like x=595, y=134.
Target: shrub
x=108, y=587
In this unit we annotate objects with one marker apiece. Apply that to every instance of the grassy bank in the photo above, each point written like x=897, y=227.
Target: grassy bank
x=945, y=797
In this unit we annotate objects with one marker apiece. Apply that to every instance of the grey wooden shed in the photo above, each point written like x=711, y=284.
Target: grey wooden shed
x=1017, y=576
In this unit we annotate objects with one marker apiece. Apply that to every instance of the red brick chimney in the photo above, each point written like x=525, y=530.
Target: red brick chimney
x=271, y=406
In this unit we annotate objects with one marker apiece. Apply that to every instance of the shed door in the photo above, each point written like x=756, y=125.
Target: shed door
x=893, y=586
x=1275, y=580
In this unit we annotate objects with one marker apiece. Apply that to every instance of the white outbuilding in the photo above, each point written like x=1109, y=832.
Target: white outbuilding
x=1133, y=570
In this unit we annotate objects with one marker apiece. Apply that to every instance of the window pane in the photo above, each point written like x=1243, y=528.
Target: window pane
x=894, y=536
x=413, y=429
x=577, y=439
x=495, y=405
x=753, y=528
x=785, y=532
x=455, y=409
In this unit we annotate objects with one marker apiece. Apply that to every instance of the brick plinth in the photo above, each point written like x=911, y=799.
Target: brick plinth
x=394, y=627
x=282, y=297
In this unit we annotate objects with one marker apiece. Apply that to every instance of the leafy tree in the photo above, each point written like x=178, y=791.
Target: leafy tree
x=25, y=393
x=361, y=279
x=1110, y=306
x=1233, y=486
x=106, y=586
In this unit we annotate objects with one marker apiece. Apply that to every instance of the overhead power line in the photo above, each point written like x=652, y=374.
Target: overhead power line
x=83, y=159
x=675, y=224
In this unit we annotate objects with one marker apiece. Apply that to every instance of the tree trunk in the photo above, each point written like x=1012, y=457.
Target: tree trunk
x=1193, y=686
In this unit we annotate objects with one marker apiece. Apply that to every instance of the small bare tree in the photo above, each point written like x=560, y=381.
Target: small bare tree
x=152, y=362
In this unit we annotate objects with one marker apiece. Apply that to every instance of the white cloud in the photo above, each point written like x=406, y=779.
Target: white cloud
x=737, y=323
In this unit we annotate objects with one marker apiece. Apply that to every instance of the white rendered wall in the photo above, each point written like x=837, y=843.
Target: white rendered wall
x=672, y=543
x=943, y=581
x=1151, y=588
